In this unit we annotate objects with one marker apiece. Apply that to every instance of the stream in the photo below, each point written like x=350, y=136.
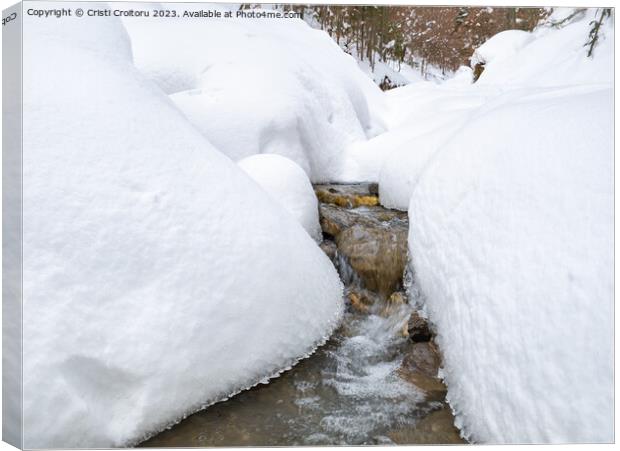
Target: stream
x=374, y=382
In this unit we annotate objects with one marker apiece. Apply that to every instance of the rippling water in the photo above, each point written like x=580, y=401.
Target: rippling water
x=348, y=392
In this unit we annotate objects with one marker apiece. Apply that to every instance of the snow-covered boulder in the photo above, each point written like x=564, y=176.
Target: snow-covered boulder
x=285, y=89
x=150, y=259
x=289, y=186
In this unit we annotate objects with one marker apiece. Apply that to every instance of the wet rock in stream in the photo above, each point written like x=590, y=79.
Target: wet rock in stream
x=420, y=367
x=348, y=196
x=378, y=255
x=371, y=238
x=418, y=328
x=361, y=300
x=436, y=428
x=330, y=248
x=336, y=219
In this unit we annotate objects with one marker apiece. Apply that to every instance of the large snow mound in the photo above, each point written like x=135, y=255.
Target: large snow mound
x=149, y=257
x=286, y=88
x=511, y=240
x=288, y=185
x=511, y=234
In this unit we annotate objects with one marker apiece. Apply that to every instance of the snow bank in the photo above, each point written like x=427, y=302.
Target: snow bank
x=285, y=89
x=149, y=257
x=511, y=236
x=552, y=57
x=288, y=185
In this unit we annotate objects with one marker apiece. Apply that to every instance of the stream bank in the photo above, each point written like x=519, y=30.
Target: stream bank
x=374, y=382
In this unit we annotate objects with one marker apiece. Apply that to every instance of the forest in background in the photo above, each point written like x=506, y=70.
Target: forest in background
x=423, y=37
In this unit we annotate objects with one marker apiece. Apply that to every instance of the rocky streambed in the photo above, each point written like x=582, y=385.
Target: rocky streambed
x=374, y=382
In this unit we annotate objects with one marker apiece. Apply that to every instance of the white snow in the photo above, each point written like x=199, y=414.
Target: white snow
x=509, y=187
x=288, y=185
x=420, y=117
x=554, y=57
x=502, y=46
x=149, y=257
x=419, y=133
x=286, y=88
x=512, y=244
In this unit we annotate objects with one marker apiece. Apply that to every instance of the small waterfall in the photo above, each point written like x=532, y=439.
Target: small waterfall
x=347, y=274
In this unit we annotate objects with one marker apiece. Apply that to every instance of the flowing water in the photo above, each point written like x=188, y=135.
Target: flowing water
x=360, y=387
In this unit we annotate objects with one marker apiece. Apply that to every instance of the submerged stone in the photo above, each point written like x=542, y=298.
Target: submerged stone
x=362, y=300
x=437, y=427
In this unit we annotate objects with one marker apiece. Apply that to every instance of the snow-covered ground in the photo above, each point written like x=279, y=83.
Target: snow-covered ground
x=158, y=277
x=509, y=187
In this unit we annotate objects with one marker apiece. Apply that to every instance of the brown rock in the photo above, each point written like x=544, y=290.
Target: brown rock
x=393, y=303
x=378, y=255
x=420, y=367
x=330, y=248
x=358, y=303
x=418, y=328
x=423, y=358
x=336, y=219
x=433, y=388
x=434, y=429
x=398, y=298
x=347, y=196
